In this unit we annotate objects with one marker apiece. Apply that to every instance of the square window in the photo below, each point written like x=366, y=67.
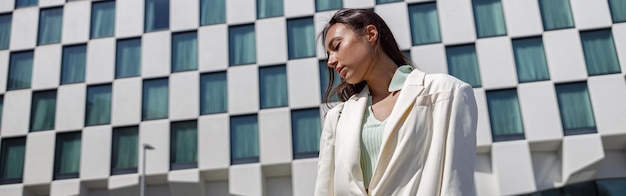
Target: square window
x=184, y=145
x=73, y=64
x=325, y=5
x=306, y=130
x=98, y=105
x=67, y=155
x=556, y=14
x=241, y=45
x=5, y=31
x=102, y=19
x=505, y=115
x=212, y=12
x=575, y=108
x=50, y=25
x=25, y=3
x=184, y=51
x=273, y=86
x=213, y=93
x=615, y=186
x=20, y=70
x=124, y=150
x=43, y=110
x=463, y=64
x=600, y=53
x=301, y=38
x=489, y=18
x=157, y=15
x=386, y=1
x=12, y=160
x=244, y=139
x=269, y=8
x=155, y=101
x=618, y=10
x=325, y=78
x=128, y=58
x=424, y=23
x=530, y=60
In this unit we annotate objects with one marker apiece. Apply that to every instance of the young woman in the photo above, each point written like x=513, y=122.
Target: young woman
x=398, y=131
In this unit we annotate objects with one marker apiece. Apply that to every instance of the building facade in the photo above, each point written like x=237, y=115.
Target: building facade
x=228, y=93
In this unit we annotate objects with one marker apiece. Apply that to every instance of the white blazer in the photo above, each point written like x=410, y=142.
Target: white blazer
x=428, y=146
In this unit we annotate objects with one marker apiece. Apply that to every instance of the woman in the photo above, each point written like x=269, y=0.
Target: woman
x=398, y=131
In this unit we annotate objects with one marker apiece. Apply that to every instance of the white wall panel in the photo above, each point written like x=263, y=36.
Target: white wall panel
x=359, y=3
x=184, y=14
x=157, y=134
x=564, y=55
x=589, y=14
x=217, y=187
x=540, y=111
x=95, y=154
x=275, y=136
x=240, y=11
x=512, y=167
x=243, y=89
x=278, y=186
x=497, y=65
x=547, y=169
x=213, y=48
x=271, y=41
x=214, y=141
x=303, y=83
x=320, y=19
x=185, y=182
x=396, y=17
x=457, y=21
x=155, y=54
x=484, y=178
x=607, y=95
x=70, y=107
x=14, y=190
x=46, y=66
x=245, y=179
x=24, y=28
x=483, y=128
x=430, y=58
x=4, y=69
x=48, y=3
x=297, y=8
x=184, y=95
x=76, y=22
x=39, y=157
x=126, y=101
x=6, y=6
x=522, y=18
x=303, y=176
x=581, y=156
x=65, y=187
x=100, y=60
x=16, y=113
x=129, y=16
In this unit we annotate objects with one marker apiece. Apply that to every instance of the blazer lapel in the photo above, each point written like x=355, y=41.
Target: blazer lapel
x=413, y=87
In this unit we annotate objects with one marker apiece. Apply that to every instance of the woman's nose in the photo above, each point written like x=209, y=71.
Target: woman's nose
x=332, y=61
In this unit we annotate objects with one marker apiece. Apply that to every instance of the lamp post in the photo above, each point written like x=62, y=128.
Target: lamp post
x=143, y=169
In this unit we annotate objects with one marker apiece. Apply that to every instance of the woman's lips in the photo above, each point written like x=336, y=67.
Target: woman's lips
x=339, y=69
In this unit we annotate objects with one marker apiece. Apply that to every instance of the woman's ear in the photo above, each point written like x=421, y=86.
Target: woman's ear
x=372, y=34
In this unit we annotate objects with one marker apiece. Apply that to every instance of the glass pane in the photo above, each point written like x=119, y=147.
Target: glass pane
x=50, y=25
x=580, y=189
x=301, y=38
x=244, y=139
x=600, y=53
x=128, y=58
x=12, y=160
x=184, y=52
x=611, y=187
x=212, y=12
x=530, y=60
x=20, y=70
x=157, y=15
x=25, y=3
x=241, y=45
x=575, y=108
x=463, y=64
x=556, y=14
x=386, y=1
x=102, y=19
x=125, y=150
x=184, y=144
x=43, y=110
x=306, y=128
x=269, y=8
x=155, y=99
x=488, y=18
x=325, y=79
x=67, y=155
x=424, y=23
x=98, y=108
x=324, y=5
x=273, y=86
x=213, y=93
x=73, y=64
x=5, y=31
x=618, y=10
x=504, y=115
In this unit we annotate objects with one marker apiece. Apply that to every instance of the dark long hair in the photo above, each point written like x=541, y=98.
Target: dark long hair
x=357, y=20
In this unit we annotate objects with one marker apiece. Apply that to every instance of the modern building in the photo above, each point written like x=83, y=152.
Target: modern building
x=229, y=92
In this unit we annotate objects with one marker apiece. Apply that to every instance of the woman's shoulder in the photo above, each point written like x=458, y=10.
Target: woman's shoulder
x=443, y=81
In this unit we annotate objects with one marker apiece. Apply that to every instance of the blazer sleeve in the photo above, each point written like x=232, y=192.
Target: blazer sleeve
x=324, y=185
x=460, y=152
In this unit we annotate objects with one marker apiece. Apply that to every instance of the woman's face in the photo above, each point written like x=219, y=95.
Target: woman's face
x=349, y=53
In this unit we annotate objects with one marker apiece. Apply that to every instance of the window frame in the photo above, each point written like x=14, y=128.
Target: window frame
x=114, y=140
x=5, y=143
x=63, y=137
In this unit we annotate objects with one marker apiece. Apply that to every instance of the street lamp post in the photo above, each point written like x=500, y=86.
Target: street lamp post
x=143, y=169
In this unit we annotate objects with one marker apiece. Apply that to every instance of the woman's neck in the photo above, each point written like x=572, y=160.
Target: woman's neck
x=380, y=76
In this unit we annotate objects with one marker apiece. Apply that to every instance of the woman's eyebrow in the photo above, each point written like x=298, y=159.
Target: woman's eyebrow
x=330, y=46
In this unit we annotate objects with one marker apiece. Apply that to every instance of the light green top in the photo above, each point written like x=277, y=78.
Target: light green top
x=372, y=132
